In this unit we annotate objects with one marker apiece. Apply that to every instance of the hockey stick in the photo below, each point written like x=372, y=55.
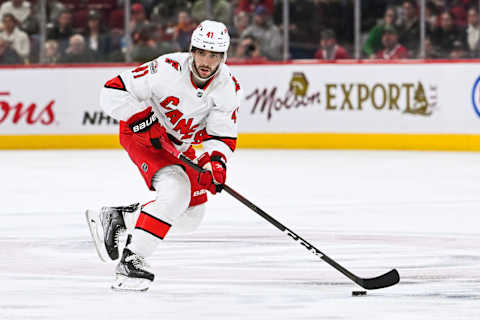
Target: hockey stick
x=385, y=280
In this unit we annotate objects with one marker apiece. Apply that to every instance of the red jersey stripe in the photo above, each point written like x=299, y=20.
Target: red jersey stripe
x=146, y=204
x=230, y=142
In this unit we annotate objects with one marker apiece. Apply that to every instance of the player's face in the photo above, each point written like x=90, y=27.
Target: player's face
x=206, y=62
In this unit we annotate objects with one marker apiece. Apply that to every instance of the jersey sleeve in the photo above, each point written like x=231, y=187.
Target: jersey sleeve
x=125, y=95
x=222, y=121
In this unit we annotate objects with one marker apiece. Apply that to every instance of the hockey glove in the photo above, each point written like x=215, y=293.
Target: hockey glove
x=148, y=131
x=215, y=172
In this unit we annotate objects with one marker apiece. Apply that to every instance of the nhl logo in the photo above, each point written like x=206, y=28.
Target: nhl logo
x=144, y=167
x=200, y=93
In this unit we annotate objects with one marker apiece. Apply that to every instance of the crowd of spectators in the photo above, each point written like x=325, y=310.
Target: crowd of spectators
x=93, y=31
x=452, y=31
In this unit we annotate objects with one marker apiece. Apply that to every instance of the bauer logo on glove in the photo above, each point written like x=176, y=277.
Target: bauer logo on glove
x=142, y=121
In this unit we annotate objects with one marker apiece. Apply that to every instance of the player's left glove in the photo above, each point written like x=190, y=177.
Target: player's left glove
x=149, y=132
x=215, y=172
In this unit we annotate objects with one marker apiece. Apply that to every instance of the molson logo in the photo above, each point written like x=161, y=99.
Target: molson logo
x=476, y=97
x=295, y=97
x=412, y=98
x=19, y=112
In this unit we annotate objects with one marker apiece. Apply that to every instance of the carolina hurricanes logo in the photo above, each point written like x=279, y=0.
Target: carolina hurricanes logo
x=182, y=125
x=170, y=102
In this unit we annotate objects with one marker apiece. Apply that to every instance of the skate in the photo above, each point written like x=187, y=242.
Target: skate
x=107, y=229
x=132, y=273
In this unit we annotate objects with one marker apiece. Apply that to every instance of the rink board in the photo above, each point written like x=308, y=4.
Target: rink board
x=439, y=142
x=408, y=105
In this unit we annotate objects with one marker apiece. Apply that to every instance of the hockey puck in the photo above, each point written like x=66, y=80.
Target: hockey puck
x=359, y=293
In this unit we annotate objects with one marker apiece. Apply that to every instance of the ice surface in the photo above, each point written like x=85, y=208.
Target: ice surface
x=418, y=212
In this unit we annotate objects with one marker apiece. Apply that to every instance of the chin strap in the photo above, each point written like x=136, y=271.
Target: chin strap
x=197, y=76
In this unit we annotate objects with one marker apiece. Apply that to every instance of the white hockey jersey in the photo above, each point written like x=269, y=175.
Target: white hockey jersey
x=190, y=115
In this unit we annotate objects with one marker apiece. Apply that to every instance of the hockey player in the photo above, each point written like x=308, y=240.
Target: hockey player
x=174, y=101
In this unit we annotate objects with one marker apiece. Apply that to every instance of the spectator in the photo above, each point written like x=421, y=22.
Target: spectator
x=117, y=44
x=144, y=49
x=62, y=30
x=440, y=6
x=77, y=51
x=166, y=10
x=459, y=15
x=374, y=40
x=97, y=40
x=31, y=27
x=472, y=33
x=138, y=18
x=163, y=45
x=248, y=48
x=329, y=49
x=8, y=55
x=31, y=24
x=392, y=49
x=147, y=5
x=183, y=30
x=54, y=9
x=444, y=36
x=458, y=50
x=15, y=38
x=303, y=28
x=52, y=56
x=221, y=11
x=430, y=51
x=409, y=27
x=20, y=9
x=240, y=23
x=431, y=16
x=440, y=3
x=328, y=14
x=266, y=33
x=170, y=29
x=375, y=9
x=249, y=6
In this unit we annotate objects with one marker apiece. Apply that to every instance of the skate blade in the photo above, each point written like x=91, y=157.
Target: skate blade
x=126, y=284
x=96, y=231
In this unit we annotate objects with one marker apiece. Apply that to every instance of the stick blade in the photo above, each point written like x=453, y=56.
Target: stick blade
x=385, y=280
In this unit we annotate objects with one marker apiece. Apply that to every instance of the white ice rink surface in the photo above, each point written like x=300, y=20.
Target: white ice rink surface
x=418, y=212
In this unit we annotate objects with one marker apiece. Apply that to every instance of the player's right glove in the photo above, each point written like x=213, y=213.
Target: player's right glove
x=148, y=131
x=215, y=172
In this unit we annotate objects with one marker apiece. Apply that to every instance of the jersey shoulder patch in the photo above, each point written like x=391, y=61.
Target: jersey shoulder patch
x=153, y=66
